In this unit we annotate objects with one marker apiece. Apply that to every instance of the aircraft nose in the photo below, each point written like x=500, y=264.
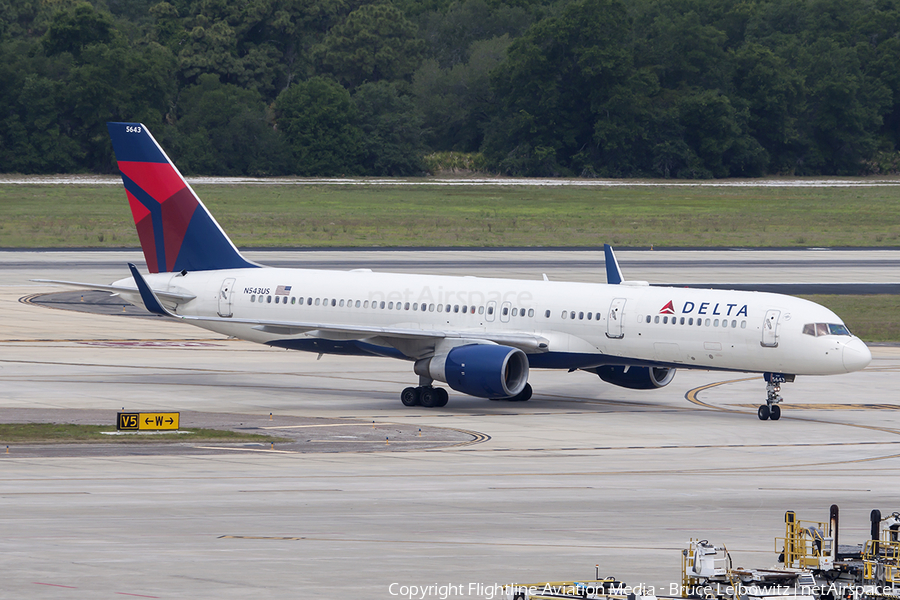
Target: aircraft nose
x=856, y=355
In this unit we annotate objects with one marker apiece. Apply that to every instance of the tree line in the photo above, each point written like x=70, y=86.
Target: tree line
x=653, y=88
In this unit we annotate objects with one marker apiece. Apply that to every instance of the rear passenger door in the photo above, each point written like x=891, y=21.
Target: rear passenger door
x=225, y=296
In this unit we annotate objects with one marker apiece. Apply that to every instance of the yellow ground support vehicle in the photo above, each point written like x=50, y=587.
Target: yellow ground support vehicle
x=811, y=566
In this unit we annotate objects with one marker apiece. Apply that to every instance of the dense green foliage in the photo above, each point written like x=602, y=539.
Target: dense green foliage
x=661, y=88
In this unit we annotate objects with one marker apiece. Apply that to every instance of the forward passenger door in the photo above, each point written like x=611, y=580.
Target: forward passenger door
x=770, y=329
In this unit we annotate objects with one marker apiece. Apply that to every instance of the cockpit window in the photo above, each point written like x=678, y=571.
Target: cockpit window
x=817, y=329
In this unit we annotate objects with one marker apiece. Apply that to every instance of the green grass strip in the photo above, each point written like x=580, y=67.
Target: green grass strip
x=60, y=433
x=483, y=215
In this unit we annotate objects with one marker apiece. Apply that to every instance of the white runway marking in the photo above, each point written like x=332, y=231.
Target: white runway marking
x=483, y=181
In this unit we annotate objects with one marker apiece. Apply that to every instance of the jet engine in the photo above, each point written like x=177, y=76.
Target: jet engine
x=482, y=370
x=636, y=378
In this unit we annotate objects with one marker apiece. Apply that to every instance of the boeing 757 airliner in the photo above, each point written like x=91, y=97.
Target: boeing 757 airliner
x=479, y=336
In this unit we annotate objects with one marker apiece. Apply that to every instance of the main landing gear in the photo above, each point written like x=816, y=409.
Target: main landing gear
x=771, y=410
x=427, y=396
x=434, y=397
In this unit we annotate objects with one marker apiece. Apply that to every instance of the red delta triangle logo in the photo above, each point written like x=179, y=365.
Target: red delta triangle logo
x=668, y=309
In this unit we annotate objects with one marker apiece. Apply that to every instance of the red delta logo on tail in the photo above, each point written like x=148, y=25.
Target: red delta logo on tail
x=162, y=206
x=176, y=231
x=668, y=309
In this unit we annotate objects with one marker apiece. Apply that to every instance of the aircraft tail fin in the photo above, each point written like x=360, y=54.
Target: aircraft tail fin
x=613, y=272
x=176, y=230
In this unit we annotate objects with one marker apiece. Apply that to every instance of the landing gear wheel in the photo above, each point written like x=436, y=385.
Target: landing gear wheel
x=429, y=397
x=774, y=412
x=443, y=397
x=763, y=412
x=524, y=395
x=425, y=395
x=410, y=396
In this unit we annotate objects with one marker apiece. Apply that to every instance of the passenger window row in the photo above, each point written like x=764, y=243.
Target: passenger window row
x=809, y=329
x=423, y=307
x=571, y=314
x=700, y=322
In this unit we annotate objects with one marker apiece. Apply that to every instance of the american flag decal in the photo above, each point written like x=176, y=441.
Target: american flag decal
x=282, y=290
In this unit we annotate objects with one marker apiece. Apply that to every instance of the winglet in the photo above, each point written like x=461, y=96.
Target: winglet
x=613, y=272
x=151, y=302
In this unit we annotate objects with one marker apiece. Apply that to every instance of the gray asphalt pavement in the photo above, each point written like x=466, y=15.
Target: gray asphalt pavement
x=583, y=474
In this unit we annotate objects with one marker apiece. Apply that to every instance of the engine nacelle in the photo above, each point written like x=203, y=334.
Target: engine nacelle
x=482, y=370
x=636, y=378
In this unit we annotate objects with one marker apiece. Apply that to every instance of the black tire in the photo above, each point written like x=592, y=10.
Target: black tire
x=443, y=397
x=410, y=396
x=763, y=412
x=774, y=412
x=525, y=394
x=522, y=396
x=428, y=397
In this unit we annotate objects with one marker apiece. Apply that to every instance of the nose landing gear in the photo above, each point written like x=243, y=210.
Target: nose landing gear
x=770, y=410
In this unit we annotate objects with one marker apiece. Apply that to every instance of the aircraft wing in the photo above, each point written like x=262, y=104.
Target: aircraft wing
x=523, y=341
x=114, y=289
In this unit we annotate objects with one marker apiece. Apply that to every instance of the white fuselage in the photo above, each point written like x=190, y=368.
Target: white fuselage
x=585, y=324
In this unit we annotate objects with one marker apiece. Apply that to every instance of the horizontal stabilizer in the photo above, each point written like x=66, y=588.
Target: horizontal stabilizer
x=117, y=289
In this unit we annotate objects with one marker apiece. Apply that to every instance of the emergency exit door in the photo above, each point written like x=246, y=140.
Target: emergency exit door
x=615, y=324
